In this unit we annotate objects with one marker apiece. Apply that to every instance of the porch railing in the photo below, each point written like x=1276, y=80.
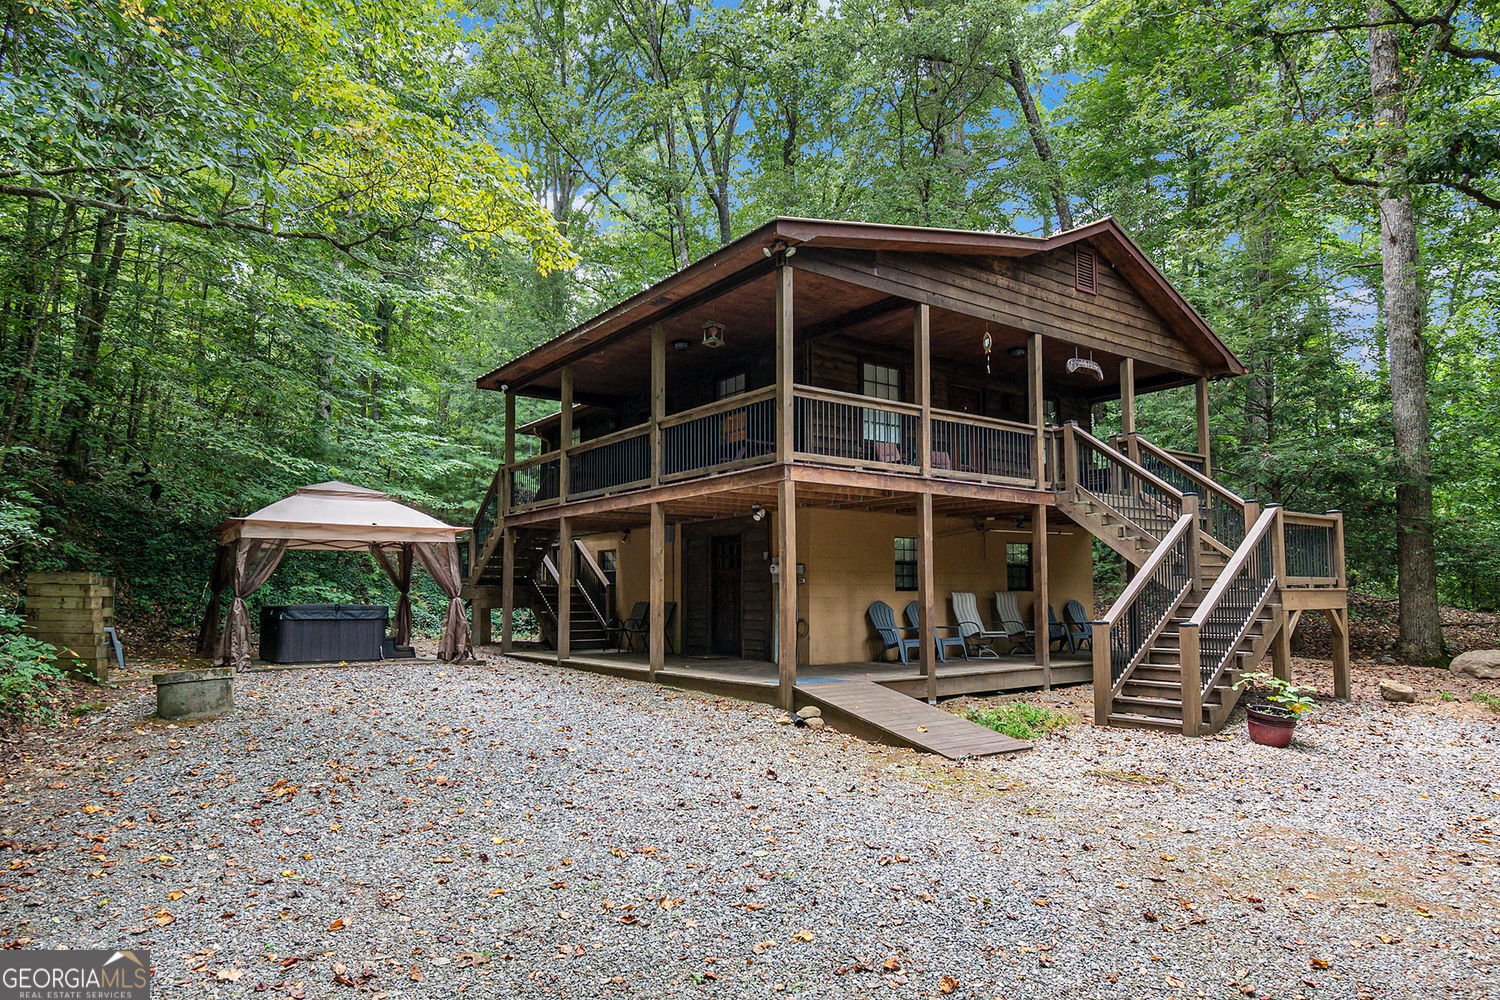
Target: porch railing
x=846, y=429
x=617, y=461
x=535, y=481
x=982, y=447
x=1314, y=549
x=728, y=434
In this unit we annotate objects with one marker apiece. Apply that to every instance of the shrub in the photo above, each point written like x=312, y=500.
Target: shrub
x=27, y=672
x=1019, y=720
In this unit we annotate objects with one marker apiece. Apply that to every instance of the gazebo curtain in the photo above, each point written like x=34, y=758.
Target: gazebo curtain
x=400, y=577
x=441, y=560
x=254, y=562
x=220, y=577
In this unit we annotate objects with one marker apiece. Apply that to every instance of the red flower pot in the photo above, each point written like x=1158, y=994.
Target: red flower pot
x=1271, y=726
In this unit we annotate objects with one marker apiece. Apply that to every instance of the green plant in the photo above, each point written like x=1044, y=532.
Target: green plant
x=1283, y=694
x=1445, y=696
x=1018, y=719
x=1489, y=701
x=27, y=672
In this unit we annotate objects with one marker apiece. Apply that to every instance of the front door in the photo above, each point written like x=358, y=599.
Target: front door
x=724, y=595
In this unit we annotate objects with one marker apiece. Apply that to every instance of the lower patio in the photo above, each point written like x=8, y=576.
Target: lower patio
x=756, y=680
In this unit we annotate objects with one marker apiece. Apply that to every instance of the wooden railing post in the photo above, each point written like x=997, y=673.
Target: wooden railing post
x=1070, y=455
x=1104, y=683
x=658, y=397
x=1127, y=396
x=1252, y=514
x=1340, y=577
x=1037, y=408
x=565, y=435
x=1281, y=645
x=1195, y=542
x=1192, y=679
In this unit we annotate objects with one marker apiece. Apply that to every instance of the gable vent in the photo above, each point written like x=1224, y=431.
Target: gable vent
x=1085, y=275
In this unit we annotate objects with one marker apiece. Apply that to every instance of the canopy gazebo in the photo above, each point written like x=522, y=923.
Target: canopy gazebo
x=334, y=517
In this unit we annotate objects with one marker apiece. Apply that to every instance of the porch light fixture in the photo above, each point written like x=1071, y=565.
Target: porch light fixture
x=778, y=246
x=713, y=335
x=681, y=345
x=1017, y=352
x=757, y=512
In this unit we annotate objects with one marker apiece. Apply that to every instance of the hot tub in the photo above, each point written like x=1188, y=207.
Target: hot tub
x=322, y=633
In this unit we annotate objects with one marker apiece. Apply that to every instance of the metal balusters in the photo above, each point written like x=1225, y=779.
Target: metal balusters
x=723, y=438
x=841, y=428
x=982, y=448
x=599, y=468
x=1148, y=505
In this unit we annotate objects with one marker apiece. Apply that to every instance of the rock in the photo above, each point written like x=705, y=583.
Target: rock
x=810, y=712
x=783, y=719
x=816, y=722
x=1396, y=691
x=1483, y=664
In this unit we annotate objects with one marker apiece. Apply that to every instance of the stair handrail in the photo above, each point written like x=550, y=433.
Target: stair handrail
x=551, y=569
x=1073, y=434
x=583, y=557
x=1210, y=490
x=1250, y=556
x=483, y=527
x=1180, y=542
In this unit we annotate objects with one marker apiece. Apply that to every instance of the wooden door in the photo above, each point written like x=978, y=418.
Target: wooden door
x=724, y=594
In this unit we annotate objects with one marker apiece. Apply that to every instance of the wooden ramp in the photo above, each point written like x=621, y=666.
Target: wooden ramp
x=878, y=713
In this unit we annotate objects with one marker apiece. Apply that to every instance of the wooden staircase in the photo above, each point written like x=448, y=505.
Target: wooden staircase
x=535, y=585
x=1204, y=603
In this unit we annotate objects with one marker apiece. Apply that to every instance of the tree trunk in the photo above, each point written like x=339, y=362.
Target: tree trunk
x=1421, y=638
x=1016, y=75
x=89, y=318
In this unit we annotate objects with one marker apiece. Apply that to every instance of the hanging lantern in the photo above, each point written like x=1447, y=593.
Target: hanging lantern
x=1088, y=364
x=713, y=334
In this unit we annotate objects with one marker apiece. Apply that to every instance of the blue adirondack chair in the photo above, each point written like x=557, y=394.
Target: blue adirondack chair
x=944, y=642
x=883, y=620
x=1056, y=632
x=1077, y=627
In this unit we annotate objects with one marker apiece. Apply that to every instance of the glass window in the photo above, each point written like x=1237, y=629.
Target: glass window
x=607, y=563
x=1018, y=566
x=731, y=385
x=881, y=382
x=906, y=564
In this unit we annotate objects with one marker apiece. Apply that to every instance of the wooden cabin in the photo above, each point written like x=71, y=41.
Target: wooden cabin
x=822, y=415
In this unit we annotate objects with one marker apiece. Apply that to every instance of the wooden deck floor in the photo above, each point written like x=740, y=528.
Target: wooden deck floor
x=878, y=701
x=876, y=712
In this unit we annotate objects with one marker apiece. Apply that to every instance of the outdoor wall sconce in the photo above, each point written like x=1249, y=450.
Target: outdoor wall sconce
x=1017, y=352
x=713, y=334
x=681, y=345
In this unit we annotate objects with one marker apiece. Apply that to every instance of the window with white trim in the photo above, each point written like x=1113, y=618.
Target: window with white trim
x=881, y=382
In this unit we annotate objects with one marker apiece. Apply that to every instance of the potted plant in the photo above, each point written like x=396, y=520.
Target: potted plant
x=1272, y=721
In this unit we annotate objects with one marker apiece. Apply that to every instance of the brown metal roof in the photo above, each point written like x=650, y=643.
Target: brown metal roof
x=745, y=259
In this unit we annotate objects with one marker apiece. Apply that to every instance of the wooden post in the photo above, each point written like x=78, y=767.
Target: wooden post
x=1040, y=582
x=1195, y=543
x=1252, y=514
x=510, y=452
x=507, y=589
x=1127, y=396
x=1103, y=675
x=565, y=435
x=658, y=397
x=785, y=378
x=1340, y=576
x=564, y=588
x=928, y=632
x=480, y=612
x=1191, y=680
x=1338, y=623
x=922, y=370
x=1204, y=435
x=1070, y=455
x=786, y=612
x=1281, y=645
x=1037, y=409
x=657, y=637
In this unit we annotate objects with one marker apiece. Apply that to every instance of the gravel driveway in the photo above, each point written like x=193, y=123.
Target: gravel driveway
x=513, y=829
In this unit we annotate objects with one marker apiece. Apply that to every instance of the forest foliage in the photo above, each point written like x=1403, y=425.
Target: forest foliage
x=247, y=246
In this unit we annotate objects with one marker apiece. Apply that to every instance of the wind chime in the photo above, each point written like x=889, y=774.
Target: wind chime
x=988, y=343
